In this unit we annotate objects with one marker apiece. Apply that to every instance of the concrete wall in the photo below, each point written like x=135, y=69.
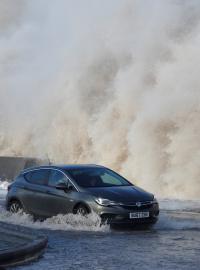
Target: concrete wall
x=11, y=166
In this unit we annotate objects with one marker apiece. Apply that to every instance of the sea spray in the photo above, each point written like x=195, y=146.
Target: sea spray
x=110, y=82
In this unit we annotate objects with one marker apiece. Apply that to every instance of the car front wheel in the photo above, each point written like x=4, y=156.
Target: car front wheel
x=82, y=210
x=15, y=207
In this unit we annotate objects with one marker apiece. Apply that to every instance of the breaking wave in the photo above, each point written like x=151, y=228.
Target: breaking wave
x=116, y=84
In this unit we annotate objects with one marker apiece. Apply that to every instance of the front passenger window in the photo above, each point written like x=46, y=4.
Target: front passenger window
x=56, y=177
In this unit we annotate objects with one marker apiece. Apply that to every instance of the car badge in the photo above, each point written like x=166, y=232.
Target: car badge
x=138, y=204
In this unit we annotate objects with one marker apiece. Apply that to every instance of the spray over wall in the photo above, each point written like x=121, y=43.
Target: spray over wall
x=111, y=82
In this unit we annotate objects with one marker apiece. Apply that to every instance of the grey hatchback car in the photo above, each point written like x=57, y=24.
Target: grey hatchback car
x=46, y=191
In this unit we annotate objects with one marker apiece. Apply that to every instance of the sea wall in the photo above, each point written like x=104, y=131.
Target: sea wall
x=11, y=166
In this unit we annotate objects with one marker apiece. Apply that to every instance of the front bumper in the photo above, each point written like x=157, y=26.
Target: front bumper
x=121, y=214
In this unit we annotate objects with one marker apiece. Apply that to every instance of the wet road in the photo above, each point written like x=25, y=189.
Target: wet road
x=121, y=250
x=174, y=243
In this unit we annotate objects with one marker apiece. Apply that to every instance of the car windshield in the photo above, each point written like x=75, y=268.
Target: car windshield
x=96, y=177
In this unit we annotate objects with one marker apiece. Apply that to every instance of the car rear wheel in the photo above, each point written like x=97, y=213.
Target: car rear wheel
x=81, y=210
x=15, y=207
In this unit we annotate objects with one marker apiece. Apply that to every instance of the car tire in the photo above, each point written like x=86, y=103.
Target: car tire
x=15, y=207
x=81, y=210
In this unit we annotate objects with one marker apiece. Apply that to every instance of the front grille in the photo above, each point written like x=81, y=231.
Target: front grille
x=134, y=206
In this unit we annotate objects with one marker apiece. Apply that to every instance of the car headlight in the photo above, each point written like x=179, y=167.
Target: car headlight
x=105, y=202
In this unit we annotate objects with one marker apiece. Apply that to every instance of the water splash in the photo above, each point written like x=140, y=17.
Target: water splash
x=116, y=84
x=173, y=216
x=4, y=185
x=60, y=222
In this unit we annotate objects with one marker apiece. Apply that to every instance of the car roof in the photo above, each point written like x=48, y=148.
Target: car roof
x=63, y=167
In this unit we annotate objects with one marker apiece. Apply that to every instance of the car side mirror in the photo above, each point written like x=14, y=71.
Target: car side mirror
x=64, y=186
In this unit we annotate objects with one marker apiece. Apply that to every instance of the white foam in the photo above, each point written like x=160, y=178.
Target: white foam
x=4, y=185
x=60, y=222
x=3, y=190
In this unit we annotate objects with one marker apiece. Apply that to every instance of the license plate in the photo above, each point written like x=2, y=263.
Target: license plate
x=139, y=215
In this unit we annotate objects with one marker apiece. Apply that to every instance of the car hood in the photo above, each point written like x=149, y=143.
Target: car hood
x=124, y=194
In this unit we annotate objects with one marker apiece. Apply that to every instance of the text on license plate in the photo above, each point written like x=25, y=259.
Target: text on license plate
x=139, y=215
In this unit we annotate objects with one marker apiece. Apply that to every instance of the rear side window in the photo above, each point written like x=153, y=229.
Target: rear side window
x=56, y=178
x=28, y=176
x=39, y=177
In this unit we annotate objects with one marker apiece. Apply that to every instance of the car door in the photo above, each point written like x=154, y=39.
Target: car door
x=36, y=191
x=59, y=201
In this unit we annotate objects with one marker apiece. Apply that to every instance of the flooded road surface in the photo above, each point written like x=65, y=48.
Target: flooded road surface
x=80, y=243
x=121, y=250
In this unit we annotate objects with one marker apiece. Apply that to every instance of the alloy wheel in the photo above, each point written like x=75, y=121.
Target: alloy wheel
x=82, y=211
x=15, y=207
